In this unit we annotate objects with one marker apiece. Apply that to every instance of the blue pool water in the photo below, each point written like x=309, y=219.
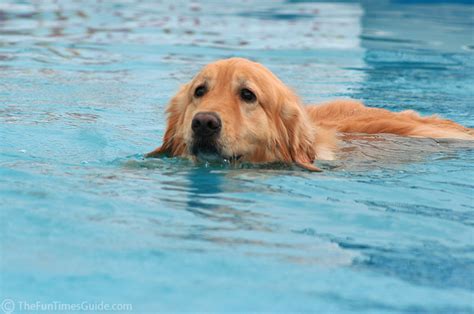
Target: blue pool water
x=388, y=227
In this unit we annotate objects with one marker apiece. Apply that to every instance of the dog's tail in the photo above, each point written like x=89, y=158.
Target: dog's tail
x=349, y=116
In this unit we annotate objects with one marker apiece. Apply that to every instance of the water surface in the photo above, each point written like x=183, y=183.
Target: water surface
x=83, y=86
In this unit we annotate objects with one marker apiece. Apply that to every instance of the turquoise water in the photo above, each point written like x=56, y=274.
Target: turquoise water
x=388, y=227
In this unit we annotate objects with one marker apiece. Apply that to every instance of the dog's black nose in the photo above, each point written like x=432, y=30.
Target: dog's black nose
x=206, y=124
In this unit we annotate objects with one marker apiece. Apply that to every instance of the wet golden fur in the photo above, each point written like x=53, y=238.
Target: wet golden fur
x=277, y=127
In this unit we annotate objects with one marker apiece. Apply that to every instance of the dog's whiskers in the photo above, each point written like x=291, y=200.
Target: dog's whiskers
x=233, y=159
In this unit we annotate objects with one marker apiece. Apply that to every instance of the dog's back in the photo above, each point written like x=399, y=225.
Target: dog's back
x=349, y=116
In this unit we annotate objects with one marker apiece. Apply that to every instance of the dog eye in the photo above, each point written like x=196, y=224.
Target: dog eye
x=200, y=91
x=247, y=95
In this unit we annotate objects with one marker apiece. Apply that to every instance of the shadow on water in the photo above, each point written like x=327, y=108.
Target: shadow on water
x=211, y=192
x=204, y=185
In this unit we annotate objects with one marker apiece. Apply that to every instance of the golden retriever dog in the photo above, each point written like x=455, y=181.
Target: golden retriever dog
x=236, y=110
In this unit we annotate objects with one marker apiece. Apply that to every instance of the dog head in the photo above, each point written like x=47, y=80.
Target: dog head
x=236, y=110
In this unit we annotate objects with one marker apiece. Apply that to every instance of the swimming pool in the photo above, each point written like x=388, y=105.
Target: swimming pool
x=83, y=87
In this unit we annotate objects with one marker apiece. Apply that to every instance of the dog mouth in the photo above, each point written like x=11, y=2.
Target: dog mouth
x=210, y=151
x=215, y=158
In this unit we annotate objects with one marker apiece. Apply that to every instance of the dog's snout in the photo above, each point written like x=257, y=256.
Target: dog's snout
x=206, y=124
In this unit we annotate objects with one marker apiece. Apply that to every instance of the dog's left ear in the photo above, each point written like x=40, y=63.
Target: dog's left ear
x=302, y=153
x=296, y=134
x=173, y=144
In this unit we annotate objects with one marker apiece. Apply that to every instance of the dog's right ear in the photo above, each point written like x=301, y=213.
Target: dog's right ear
x=173, y=143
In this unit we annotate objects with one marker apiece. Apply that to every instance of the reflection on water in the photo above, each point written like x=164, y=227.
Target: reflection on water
x=83, y=87
x=371, y=152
